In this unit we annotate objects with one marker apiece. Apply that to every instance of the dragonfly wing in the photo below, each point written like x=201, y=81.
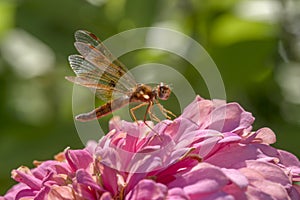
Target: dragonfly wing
x=95, y=57
x=93, y=42
x=100, y=78
x=89, y=38
x=102, y=91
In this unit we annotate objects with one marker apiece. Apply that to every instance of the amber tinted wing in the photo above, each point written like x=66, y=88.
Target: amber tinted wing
x=96, y=69
x=89, y=38
x=84, y=37
x=94, y=77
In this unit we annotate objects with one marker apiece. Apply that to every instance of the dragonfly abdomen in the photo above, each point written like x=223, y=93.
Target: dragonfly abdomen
x=103, y=110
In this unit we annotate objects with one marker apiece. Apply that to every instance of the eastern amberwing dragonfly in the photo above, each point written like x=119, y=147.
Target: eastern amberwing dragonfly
x=97, y=69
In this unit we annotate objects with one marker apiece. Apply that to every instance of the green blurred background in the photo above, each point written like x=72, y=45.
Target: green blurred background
x=255, y=44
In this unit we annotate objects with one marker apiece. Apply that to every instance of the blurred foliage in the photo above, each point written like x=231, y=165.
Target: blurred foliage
x=254, y=49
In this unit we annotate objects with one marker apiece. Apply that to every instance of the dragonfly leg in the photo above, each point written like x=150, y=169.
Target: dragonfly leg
x=150, y=104
x=164, y=111
x=153, y=116
x=148, y=111
x=134, y=109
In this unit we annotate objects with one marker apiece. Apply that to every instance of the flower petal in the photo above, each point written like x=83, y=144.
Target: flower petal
x=61, y=193
x=106, y=196
x=218, y=115
x=177, y=194
x=27, y=193
x=78, y=159
x=203, y=178
x=269, y=171
x=86, y=179
x=148, y=189
x=23, y=175
x=236, y=177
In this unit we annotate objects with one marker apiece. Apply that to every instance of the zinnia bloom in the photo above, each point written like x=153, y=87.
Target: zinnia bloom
x=209, y=152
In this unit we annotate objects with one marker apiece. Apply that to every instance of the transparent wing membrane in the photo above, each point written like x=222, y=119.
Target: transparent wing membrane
x=97, y=69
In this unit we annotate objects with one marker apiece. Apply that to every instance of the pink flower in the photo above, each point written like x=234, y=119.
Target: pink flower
x=209, y=152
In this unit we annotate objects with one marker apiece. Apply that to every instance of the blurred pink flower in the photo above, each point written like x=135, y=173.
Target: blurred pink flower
x=209, y=152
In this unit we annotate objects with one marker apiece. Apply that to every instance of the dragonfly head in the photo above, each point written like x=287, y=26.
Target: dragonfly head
x=163, y=91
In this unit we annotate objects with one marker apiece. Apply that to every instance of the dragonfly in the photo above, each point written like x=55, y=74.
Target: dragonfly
x=96, y=68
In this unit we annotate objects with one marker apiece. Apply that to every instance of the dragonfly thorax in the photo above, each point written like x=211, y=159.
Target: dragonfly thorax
x=143, y=93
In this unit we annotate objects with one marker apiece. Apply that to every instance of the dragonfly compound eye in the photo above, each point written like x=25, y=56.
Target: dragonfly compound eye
x=164, y=92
